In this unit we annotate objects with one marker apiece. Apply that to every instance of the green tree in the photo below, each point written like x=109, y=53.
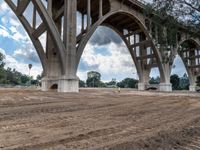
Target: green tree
x=198, y=81
x=112, y=83
x=154, y=80
x=121, y=84
x=2, y=71
x=128, y=83
x=185, y=11
x=35, y=82
x=81, y=83
x=175, y=81
x=11, y=76
x=2, y=57
x=184, y=82
x=93, y=82
x=94, y=79
x=39, y=77
x=25, y=79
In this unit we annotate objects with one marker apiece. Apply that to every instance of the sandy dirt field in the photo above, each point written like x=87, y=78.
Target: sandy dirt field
x=99, y=120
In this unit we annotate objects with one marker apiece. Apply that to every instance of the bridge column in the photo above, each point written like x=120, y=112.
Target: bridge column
x=68, y=81
x=64, y=76
x=100, y=8
x=88, y=14
x=143, y=80
x=144, y=70
x=53, y=66
x=82, y=23
x=165, y=85
x=192, y=87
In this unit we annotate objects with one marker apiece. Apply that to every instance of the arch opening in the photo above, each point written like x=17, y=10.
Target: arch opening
x=134, y=35
x=54, y=87
x=18, y=46
x=154, y=79
x=179, y=75
x=189, y=52
x=26, y=20
x=107, y=54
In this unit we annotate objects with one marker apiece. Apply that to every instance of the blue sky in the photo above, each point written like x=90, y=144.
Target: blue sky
x=105, y=52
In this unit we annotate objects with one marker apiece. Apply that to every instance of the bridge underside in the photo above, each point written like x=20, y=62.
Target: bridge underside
x=64, y=45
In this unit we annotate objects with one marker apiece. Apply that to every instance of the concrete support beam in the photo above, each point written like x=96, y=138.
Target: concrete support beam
x=51, y=27
x=68, y=84
x=133, y=33
x=100, y=8
x=69, y=81
x=143, y=79
x=59, y=13
x=142, y=86
x=34, y=18
x=192, y=79
x=45, y=84
x=88, y=14
x=82, y=23
x=49, y=7
x=39, y=31
x=22, y=5
x=146, y=42
x=146, y=56
x=192, y=88
x=165, y=87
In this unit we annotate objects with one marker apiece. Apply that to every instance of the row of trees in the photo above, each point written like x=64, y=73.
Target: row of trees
x=13, y=77
x=94, y=82
x=178, y=83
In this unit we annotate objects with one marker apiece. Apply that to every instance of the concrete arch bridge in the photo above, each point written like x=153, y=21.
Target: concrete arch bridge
x=141, y=34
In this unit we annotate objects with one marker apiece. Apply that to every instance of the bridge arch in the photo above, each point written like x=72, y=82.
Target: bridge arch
x=141, y=26
x=189, y=52
x=35, y=32
x=36, y=42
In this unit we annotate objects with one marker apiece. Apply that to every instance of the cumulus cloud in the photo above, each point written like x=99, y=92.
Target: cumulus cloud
x=4, y=32
x=22, y=52
x=104, y=36
x=27, y=54
x=117, y=64
x=3, y=6
x=12, y=62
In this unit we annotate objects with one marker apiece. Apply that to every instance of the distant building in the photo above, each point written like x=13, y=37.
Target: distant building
x=93, y=74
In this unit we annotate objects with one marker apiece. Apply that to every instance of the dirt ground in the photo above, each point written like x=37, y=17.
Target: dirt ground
x=99, y=119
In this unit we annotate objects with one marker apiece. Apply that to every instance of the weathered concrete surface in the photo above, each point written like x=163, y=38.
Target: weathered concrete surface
x=98, y=119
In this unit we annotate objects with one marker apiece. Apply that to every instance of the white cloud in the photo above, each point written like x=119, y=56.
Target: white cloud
x=13, y=29
x=4, y=32
x=11, y=62
x=118, y=63
x=3, y=6
x=18, y=36
x=14, y=22
x=82, y=75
